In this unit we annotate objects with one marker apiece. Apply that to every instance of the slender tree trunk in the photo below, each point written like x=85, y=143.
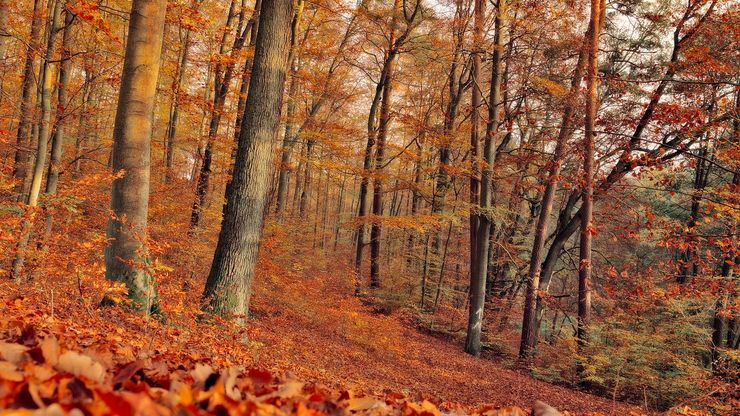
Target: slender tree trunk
x=23, y=142
x=288, y=144
x=228, y=288
x=221, y=84
x=366, y=164
x=585, y=266
x=171, y=133
x=529, y=328
x=567, y=223
x=484, y=220
x=475, y=103
x=701, y=175
x=303, y=202
x=45, y=124
x=57, y=141
x=383, y=123
x=290, y=138
x=44, y=128
x=4, y=38
x=455, y=85
x=340, y=209
x=126, y=257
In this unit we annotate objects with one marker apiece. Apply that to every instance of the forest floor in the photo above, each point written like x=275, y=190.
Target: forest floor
x=313, y=326
x=306, y=323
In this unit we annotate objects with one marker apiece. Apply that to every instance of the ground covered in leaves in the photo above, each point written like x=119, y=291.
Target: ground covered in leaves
x=310, y=348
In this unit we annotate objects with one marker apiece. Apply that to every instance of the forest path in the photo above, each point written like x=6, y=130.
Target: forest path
x=311, y=325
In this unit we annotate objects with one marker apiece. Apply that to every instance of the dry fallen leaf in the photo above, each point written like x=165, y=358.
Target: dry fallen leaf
x=81, y=365
x=12, y=352
x=8, y=371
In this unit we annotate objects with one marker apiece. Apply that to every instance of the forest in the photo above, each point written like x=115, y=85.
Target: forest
x=376, y=207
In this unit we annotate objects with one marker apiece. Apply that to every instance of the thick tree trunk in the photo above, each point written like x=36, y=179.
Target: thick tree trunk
x=587, y=232
x=126, y=257
x=228, y=288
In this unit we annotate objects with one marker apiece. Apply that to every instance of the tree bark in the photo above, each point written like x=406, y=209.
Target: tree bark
x=4, y=38
x=587, y=232
x=45, y=124
x=126, y=257
x=475, y=103
x=483, y=216
x=228, y=288
x=171, y=132
x=383, y=123
x=23, y=142
x=221, y=84
x=57, y=140
x=529, y=328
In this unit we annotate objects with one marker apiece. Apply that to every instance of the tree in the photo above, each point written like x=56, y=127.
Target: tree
x=479, y=270
x=228, y=288
x=126, y=256
x=587, y=228
x=543, y=219
x=23, y=140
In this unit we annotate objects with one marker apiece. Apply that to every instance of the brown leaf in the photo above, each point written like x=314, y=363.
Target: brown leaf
x=127, y=371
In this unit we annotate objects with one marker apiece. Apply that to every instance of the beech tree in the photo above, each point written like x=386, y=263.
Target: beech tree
x=228, y=288
x=587, y=228
x=483, y=221
x=126, y=256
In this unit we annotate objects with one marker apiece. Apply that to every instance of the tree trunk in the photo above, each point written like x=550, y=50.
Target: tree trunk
x=383, y=122
x=45, y=124
x=171, y=133
x=221, y=84
x=57, y=141
x=4, y=38
x=531, y=300
x=587, y=232
x=366, y=164
x=484, y=220
x=126, y=257
x=475, y=103
x=228, y=288
x=23, y=143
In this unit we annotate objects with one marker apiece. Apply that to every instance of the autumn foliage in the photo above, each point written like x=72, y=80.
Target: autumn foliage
x=319, y=207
